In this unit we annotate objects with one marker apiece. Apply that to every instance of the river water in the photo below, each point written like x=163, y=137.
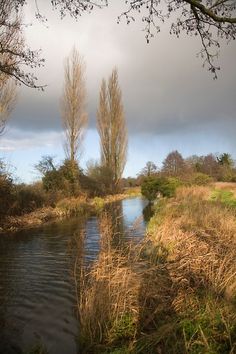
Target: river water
x=37, y=289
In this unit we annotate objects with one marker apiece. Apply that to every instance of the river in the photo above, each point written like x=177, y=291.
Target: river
x=37, y=292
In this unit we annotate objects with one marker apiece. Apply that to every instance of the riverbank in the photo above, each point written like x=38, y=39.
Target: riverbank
x=64, y=208
x=175, y=293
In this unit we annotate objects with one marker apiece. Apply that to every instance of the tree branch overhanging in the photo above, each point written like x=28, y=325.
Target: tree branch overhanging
x=211, y=20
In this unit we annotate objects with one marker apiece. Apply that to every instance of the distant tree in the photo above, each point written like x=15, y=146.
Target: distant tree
x=7, y=101
x=130, y=182
x=209, y=165
x=112, y=129
x=174, y=164
x=226, y=171
x=149, y=169
x=45, y=165
x=191, y=163
x=225, y=159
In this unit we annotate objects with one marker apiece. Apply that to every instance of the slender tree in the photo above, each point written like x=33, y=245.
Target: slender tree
x=74, y=116
x=112, y=129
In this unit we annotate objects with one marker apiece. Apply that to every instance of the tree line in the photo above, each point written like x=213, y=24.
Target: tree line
x=191, y=170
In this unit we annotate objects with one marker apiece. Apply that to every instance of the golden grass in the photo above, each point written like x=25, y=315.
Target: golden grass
x=201, y=239
x=175, y=293
x=226, y=186
x=108, y=304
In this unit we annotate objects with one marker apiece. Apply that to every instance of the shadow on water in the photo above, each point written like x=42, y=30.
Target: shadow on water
x=148, y=212
x=37, y=287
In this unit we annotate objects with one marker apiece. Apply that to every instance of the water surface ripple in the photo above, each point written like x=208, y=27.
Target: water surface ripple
x=37, y=293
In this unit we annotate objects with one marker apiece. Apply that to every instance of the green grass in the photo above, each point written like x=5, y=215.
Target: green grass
x=225, y=197
x=99, y=204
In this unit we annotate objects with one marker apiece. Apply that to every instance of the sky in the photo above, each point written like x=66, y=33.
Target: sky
x=171, y=102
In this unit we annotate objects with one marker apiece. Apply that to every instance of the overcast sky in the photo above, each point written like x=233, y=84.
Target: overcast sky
x=170, y=101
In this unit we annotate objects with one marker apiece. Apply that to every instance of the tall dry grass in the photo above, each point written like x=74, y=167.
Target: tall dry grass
x=203, y=239
x=174, y=293
x=108, y=303
x=199, y=237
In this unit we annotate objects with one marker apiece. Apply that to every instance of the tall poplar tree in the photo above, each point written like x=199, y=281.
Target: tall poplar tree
x=112, y=129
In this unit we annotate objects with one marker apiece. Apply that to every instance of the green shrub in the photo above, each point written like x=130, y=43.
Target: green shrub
x=201, y=179
x=152, y=187
x=99, y=203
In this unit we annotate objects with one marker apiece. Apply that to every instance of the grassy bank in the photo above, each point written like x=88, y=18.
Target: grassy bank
x=176, y=293
x=64, y=208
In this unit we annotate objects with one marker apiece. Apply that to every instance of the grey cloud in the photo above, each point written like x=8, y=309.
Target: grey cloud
x=165, y=89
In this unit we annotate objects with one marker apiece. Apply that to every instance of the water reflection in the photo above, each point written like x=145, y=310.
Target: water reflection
x=37, y=287
x=148, y=212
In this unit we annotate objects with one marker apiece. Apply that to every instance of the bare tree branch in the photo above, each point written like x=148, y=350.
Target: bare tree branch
x=14, y=54
x=211, y=20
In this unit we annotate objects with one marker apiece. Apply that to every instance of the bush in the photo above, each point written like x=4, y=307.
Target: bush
x=29, y=198
x=201, y=179
x=152, y=187
x=99, y=203
x=7, y=194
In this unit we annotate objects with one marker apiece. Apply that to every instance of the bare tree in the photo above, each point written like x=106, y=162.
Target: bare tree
x=174, y=164
x=211, y=20
x=14, y=53
x=74, y=116
x=7, y=102
x=150, y=169
x=112, y=129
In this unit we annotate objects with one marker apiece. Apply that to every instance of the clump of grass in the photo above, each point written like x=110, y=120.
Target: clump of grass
x=133, y=191
x=108, y=305
x=73, y=206
x=98, y=203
